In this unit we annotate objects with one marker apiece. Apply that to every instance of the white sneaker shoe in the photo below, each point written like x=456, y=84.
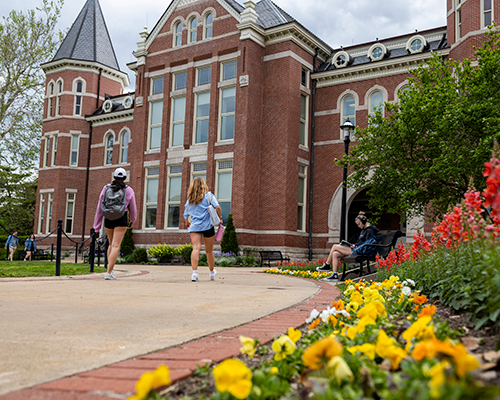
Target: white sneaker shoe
x=110, y=276
x=113, y=274
x=194, y=276
x=212, y=274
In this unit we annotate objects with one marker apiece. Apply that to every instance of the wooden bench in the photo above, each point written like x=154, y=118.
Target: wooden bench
x=38, y=254
x=274, y=255
x=385, y=243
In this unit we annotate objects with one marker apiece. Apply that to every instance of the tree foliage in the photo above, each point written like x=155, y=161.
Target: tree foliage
x=27, y=39
x=17, y=200
x=421, y=155
x=229, y=243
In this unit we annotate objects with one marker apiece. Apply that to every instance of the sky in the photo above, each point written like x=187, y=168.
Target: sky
x=337, y=22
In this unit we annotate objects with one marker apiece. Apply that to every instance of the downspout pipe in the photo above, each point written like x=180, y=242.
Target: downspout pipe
x=311, y=168
x=88, y=158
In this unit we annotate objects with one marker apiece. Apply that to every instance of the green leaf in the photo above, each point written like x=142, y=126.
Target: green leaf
x=481, y=322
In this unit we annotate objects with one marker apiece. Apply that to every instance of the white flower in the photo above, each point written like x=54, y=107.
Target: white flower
x=325, y=314
x=406, y=291
x=344, y=313
x=408, y=282
x=313, y=316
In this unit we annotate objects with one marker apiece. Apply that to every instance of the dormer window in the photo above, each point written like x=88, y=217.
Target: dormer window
x=193, y=27
x=377, y=52
x=107, y=106
x=127, y=102
x=209, y=20
x=178, y=34
x=341, y=59
x=416, y=44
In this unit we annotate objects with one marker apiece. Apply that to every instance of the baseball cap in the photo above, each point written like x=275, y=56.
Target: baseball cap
x=120, y=173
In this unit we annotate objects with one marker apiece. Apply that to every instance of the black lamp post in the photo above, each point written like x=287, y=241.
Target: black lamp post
x=347, y=129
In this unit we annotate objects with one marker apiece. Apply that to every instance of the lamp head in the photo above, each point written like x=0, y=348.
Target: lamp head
x=347, y=127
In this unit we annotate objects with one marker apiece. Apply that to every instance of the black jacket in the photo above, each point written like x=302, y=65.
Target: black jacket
x=367, y=233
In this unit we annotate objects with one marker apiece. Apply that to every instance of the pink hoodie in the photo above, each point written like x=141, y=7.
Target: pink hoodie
x=131, y=206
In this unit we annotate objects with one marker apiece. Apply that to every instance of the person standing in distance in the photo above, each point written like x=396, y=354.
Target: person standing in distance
x=30, y=247
x=11, y=243
x=115, y=229
x=200, y=227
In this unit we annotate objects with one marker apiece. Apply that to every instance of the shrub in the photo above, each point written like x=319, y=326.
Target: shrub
x=140, y=256
x=163, y=252
x=127, y=246
x=185, y=252
x=229, y=242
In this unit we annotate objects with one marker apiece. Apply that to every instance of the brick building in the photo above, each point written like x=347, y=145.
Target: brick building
x=242, y=95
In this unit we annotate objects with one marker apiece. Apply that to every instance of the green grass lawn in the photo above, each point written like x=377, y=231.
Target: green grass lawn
x=43, y=268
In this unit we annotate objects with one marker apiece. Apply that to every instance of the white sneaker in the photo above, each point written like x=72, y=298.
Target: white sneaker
x=212, y=274
x=113, y=274
x=194, y=277
x=110, y=276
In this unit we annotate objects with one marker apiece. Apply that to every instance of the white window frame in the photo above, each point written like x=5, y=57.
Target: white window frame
x=343, y=118
x=199, y=169
x=198, y=119
x=227, y=114
x=124, y=146
x=305, y=72
x=192, y=30
x=198, y=75
x=46, y=152
x=108, y=149
x=371, y=110
x=78, y=108
x=72, y=151
x=160, y=79
x=221, y=170
x=304, y=121
x=458, y=22
x=41, y=213
x=179, y=122
x=176, y=74
x=177, y=34
x=484, y=12
x=146, y=203
x=174, y=171
x=151, y=125
x=59, y=95
x=346, y=57
x=50, y=208
x=54, y=150
x=72, y=217
x=51, y=100
x=302, y=204
x=206, y=26
x=224, y=65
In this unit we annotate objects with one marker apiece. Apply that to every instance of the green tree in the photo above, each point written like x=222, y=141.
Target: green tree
x=17, y=200
x=423, y=153
x=127, y=246
x=27, y=39
x=229, y=243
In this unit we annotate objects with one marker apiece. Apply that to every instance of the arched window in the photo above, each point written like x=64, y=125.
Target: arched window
x=124, y=147
x=109, y=150
x=376, y=100
x=193, y=26
x=349, y=109
x=51, y=100
x=78, y=98
x=59, y=93
x=178, y=34
x=209, y=20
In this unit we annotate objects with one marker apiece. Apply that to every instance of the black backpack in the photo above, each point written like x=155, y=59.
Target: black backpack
x=114, y=204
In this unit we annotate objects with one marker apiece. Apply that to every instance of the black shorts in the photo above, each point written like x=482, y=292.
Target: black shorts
x=114, y=223
x=208, y=233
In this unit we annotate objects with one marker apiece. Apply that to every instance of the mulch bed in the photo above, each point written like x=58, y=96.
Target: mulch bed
x=480, y=342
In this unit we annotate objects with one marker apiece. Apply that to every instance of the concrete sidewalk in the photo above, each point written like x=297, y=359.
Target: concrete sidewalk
x=71, y=327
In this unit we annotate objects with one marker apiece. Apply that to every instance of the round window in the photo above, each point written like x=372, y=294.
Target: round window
x=341, y=60
x=416, y=45
x=107, y=106
x=377, y=52
x=127, y=102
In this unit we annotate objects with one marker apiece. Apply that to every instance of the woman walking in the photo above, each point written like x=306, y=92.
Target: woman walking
x=30, y=247
x=368, y=232
x=116, y=228
x=200, y=227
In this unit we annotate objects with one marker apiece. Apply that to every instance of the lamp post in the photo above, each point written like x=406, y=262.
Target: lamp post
x=347, y=128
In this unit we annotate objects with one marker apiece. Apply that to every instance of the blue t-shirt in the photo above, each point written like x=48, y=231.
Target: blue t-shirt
x=200, y=217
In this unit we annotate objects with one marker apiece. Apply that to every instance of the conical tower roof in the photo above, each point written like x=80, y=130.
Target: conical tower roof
x=88, y=39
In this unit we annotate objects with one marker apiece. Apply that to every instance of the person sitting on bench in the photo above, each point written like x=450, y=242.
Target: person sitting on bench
x=340, y=250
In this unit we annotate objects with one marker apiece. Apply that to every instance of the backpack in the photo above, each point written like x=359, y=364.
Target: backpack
x=114, y=204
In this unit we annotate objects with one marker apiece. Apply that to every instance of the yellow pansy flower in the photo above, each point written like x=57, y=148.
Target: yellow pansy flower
x=386, y=348
x=150, y=380
x=234, y=377
x=352, y=307
x=294, y=334
x=248, y=346
x=318, y=354
x=418, y=326
x=367, y=349
x=283, y=346
x=357, y=297
x=361, y=326
x=373, y=309
x=338, y=368
x=438, y=378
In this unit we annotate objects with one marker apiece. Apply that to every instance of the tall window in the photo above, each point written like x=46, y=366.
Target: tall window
x=54, y=149
x=109, y=150
x=202, y=117
x=151, y=200
x=227, y=111
x=376, y=101
x=199, y=169
x=180, y=80
x=304, y=101
x=47, y=152
x=349, y=109
x=174, y=187
x=78, y=98
x=487, y=13
x=204, y=75
x=75, y=144
x=224, y=186
x=70, y=208
x=178, y=34
x=157, y=85
x=59, y=94
x=305, y=78
x=178, y=118
x=209, y=20
x=51, y=100
x=193, y=27
x=41, y=216
x=229, y=70
x=49, y=211
x=124, y=147
x=156, y=115
x=301, y=213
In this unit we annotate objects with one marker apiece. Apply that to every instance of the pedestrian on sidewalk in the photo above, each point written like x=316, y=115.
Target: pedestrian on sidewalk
x=200, y=227
x=30, y=247
x=116, y=205
x=11, y=243
x=367, y=235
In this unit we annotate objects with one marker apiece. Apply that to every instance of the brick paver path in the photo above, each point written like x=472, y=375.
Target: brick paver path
x=118, y=380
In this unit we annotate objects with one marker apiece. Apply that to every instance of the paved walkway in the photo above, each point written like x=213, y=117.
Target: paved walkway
x=84, y=338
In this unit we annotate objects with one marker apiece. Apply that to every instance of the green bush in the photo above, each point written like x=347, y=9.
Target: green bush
x=127, y=246
x=140, y=256
x=185, y=252
x=229, y=243
x=163, y=252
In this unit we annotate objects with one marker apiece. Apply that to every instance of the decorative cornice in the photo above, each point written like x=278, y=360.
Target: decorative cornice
x=373, y=70
x=112, y=118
